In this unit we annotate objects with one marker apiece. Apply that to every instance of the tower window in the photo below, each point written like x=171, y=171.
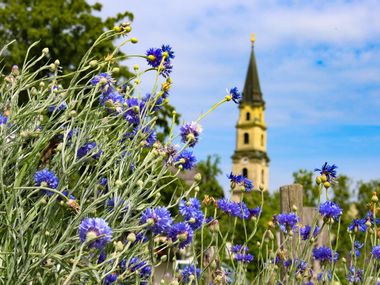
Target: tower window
x=245, y=172
x=246, y=138
x=262, y=140
x=262, y=176
x=248, y=116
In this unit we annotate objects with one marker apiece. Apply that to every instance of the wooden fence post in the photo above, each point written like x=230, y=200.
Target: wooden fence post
x=290, y=196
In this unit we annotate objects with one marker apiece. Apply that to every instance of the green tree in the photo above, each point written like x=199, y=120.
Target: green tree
x=365, y=193
x=209, y=185
x=310, y=189
x=68, y=28
x=342, y=192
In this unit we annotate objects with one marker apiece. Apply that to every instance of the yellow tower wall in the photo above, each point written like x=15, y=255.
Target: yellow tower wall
x=254, y=126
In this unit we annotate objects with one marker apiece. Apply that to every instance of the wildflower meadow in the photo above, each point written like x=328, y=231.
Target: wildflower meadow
x=83, y=170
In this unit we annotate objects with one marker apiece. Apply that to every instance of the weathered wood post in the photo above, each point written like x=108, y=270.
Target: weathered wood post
x=290, y=196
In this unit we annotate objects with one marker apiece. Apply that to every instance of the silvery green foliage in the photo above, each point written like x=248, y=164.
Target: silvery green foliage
x=117, y=178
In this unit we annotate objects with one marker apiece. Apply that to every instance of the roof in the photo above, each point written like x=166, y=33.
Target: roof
x=252, y=92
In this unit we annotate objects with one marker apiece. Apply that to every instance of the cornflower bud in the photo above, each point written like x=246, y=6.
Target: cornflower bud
x=374, y=198
x=57, y=62
x=127, y=29
x=93, y=63
x=136, y=67
x=134, y=40
x=117, y=29
x=119, y=246
x=318, y=180
x=323, y=178
x=131, y=237
x=198, y=177
x=45, y=51
x=327, y=185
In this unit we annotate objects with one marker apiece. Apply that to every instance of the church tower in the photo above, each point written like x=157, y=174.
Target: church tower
x=250, y=157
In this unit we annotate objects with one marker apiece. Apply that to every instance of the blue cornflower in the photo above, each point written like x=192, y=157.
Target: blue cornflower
x=88, y=148
x=240, y=253
x=248, y=185
x=154, y=56
x=153, y=103
x=235, y=95
x=330, y=210
x=357, y=224
x=167, y=69
x=181, y=232
x=136, y=264
x=132, y=114
x=159, y=219
x=168, y=50
x=234, y=209
x=110, y=278
x=104, y=80
x=190, y=133
x=102, y=256
x=104, y=184
x=254, y=212
x=240, y=180
x=235, y=179
x=186, y=159
x=355, y=275
x=190, y=270
x=113, y=102
x=186, y=208
x=55, y=108
x=357, y=247
x=369, y=217
x=325, y=254
x=151, y=136
x=191, y=210
x=328, y=170
x=246, y=258
x=376, y=252
x=287, y=221
x=305, y=232
x=46, y=178
x=3, y=119
x=95, y=228
x=301, y=266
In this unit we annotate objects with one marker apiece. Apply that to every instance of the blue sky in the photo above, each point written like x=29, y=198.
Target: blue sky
x=319, y=67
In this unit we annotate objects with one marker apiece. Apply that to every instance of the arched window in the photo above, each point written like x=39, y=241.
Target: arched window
x=262, y=139
x=245, y=172
x=246, y=138
x=262, y=177
x=248, y=116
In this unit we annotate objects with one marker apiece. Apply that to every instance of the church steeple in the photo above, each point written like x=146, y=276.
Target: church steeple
x=252, y=92
x=250, y=157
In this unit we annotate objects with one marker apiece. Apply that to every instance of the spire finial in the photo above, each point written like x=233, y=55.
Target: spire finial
x=253, y=38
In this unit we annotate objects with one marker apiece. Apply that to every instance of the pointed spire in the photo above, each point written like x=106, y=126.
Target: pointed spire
x=252, y=93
